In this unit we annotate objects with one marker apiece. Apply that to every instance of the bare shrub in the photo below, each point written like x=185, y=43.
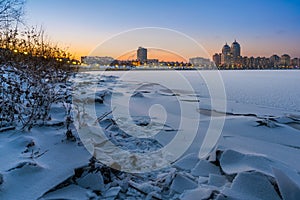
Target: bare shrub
x=33, y=73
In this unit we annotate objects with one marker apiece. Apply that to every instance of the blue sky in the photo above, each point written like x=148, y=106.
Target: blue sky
x=262, y=27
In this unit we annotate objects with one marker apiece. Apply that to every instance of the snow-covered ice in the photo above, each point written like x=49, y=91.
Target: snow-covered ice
x=256, y=157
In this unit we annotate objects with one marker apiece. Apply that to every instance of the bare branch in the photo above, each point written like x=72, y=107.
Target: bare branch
x=11, y=12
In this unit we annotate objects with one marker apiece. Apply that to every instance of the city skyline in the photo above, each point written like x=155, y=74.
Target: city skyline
x=265, y=27
x=233, y=52
x=164, y=55
x=229, y=58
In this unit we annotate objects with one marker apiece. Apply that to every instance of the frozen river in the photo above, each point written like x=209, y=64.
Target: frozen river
x=277, y=89
x=170, y=135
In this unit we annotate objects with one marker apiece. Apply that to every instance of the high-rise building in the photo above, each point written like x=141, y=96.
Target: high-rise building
x=226, y=56
x=142, y=54
x=226, y=49
x=285, y=60
x=231, y=56
x=235, y=50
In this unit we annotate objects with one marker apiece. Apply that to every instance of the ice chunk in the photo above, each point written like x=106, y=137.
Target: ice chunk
x=137, y=94
x=198, y=193
x=54, y=162
x=182, y=183
x=92, y=181
x=145, y=187
x=284, y=120
x=217, y=180
x=272, y=151
x=233, y=162
x=288, y=189
x=202, y=180
x=251, y=185
x=188, y=162
x=74, y=192
x=204, y=168
x=112, y=192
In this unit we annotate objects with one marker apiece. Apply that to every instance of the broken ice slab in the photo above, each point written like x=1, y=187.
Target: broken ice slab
x=182, y=183
x=251, y=185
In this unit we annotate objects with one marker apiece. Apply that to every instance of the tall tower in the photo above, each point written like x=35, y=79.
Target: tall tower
x=235, y=51
x=226, y=49
x=225, y=57
x=142, y=54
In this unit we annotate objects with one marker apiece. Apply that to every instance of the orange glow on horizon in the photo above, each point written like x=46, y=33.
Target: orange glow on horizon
x=78, y=52
x=161, y=55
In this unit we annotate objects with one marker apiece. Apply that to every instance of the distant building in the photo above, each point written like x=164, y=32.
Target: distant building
x=96, y=60
x=226, y=55
x=285, y=60
x=200, y=62
x=217, y=59
x=154, y=62
x=226, y=49
x=295, y=62
x=142, y=54
x=251, y=62
x=235, y=49
x=230, y=56
x=274, y=61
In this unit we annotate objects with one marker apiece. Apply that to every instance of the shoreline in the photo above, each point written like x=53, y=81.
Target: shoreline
x=195, y=69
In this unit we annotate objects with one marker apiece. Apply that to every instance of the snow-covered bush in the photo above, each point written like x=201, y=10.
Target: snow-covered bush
x=32, y=77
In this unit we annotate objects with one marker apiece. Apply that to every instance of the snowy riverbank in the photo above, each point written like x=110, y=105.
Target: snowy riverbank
x=256, y=156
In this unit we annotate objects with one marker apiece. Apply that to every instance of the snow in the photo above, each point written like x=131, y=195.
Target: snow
x=32, y=175
x=154, y=134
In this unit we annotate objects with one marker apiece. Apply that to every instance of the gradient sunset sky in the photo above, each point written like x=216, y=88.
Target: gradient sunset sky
x=262, y=27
